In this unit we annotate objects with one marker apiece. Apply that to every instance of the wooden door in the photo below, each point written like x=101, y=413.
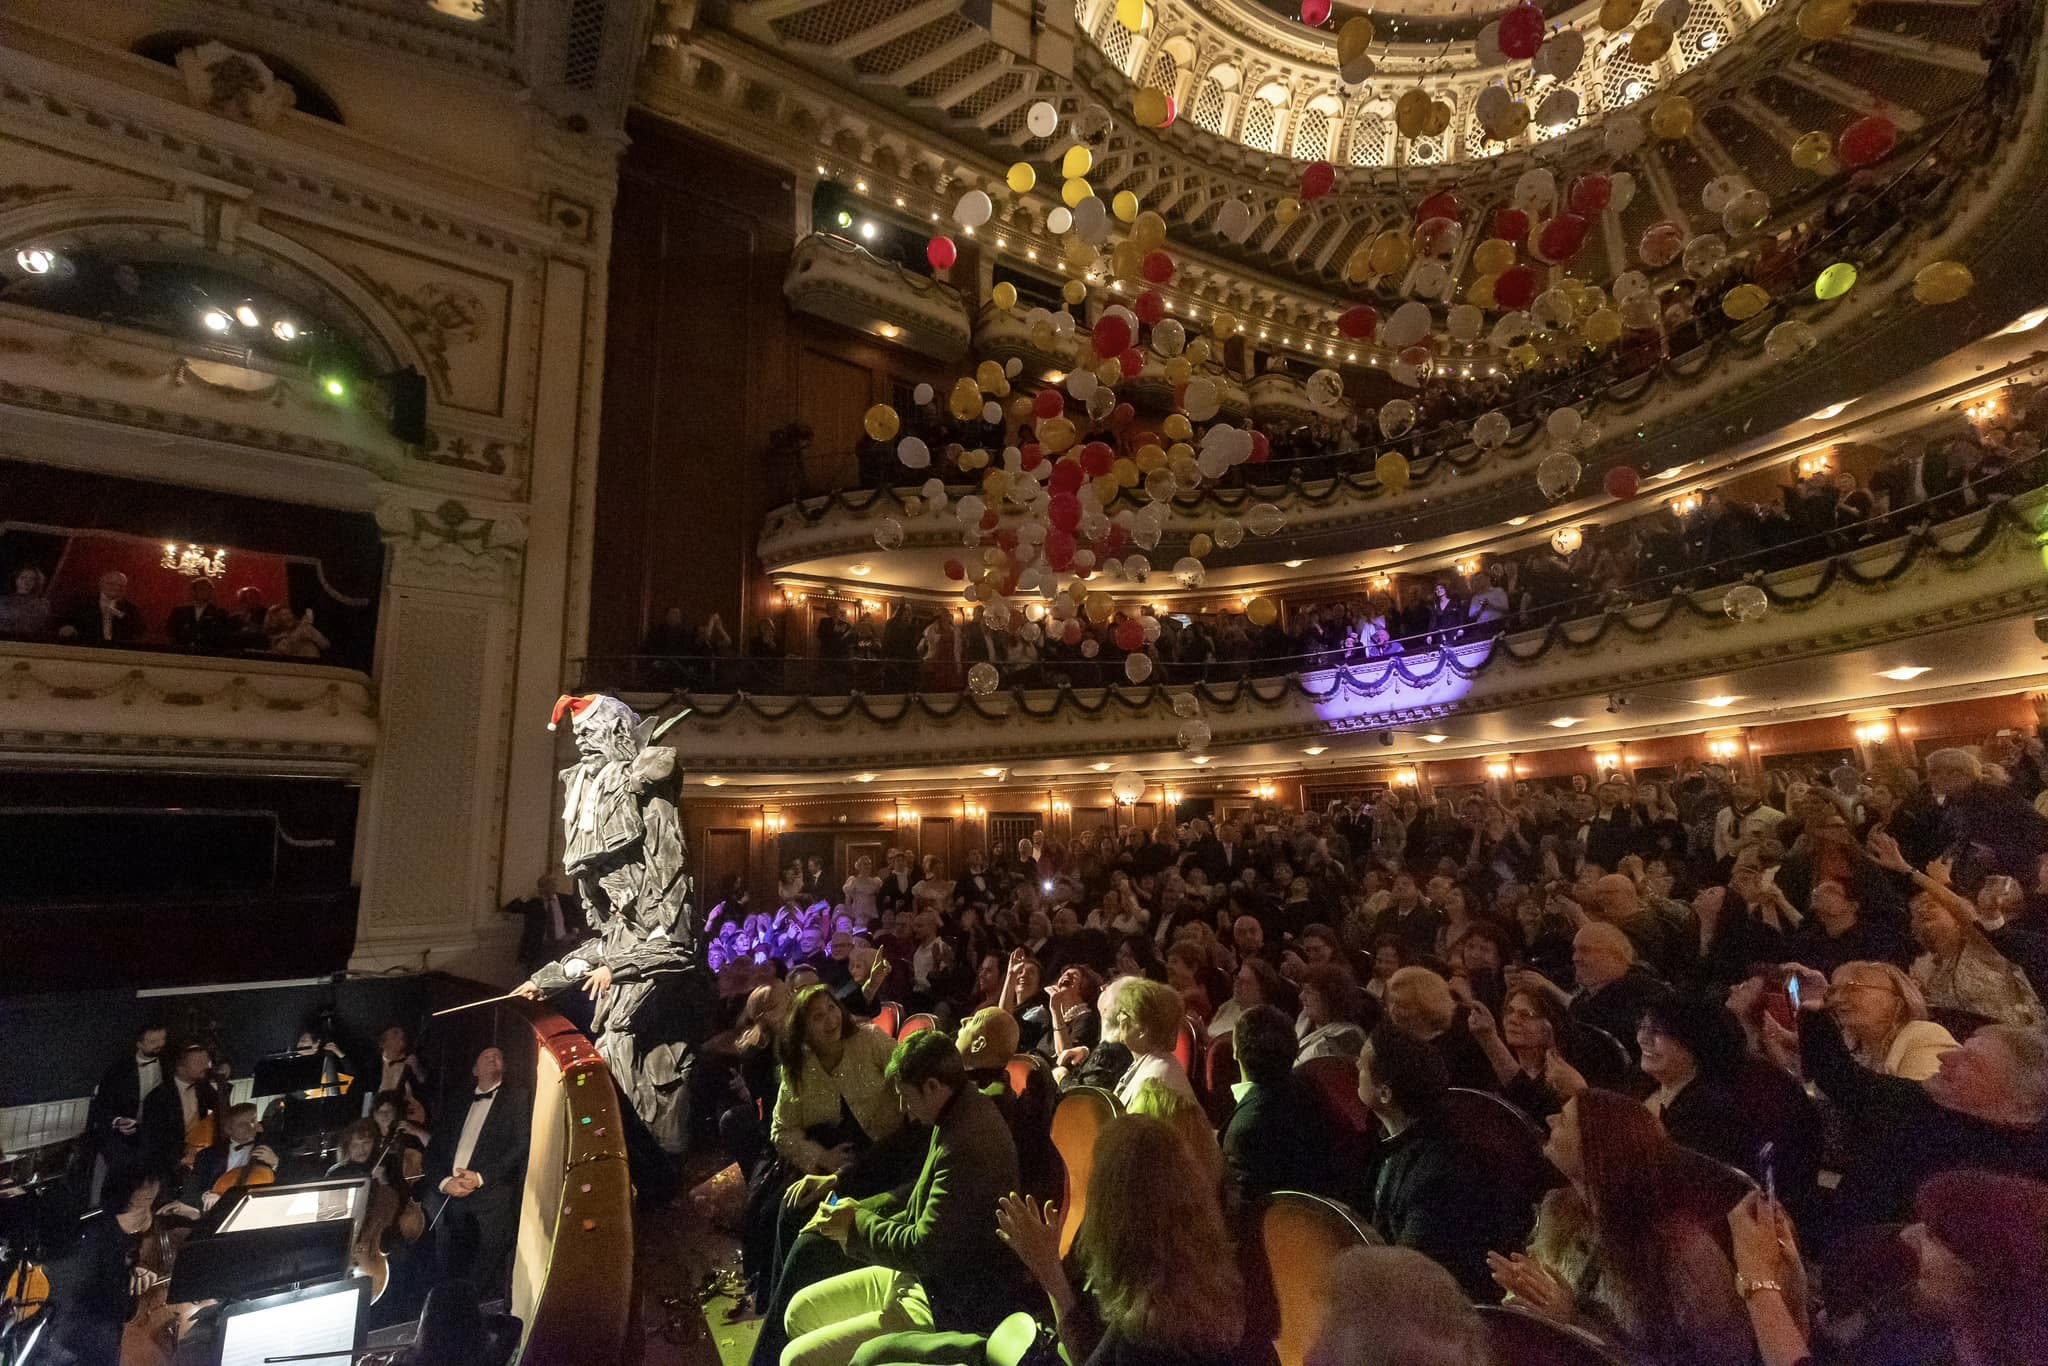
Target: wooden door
x=724, y=853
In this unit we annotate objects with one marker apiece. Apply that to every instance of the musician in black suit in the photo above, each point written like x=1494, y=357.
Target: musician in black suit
x=475, y=1168
x=114, y=1119
x=237, y=1147
x=168, y=1111
x=397, y=1068
x=552, y=922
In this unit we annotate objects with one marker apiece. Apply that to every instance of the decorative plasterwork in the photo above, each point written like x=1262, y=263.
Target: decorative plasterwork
x=838, y=281
x=448, y=547
x=232, y=84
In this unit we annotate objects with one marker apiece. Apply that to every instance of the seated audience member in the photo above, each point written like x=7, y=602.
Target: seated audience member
x=1074, y=1024
x=1273, y=1140
x=25, y=613
x=1613, y=991
x=1959, y=969
x=1732, y=937
x=1332, y=1007
x=1985, y=1106
x=987, y=1042
x=1540, y=1057
x=1158, y=1284
x=1420, y=1004
x=1692, y=1050
x=1432, y=1191
x=1146, y=1017
x=1880, y=1011
x=1187, y=1119
x=202, y=625
x=934, y=1261
x=1391, y=1306
x=1626, y=1248
x=474, y=1169
x=1258, y=983
x=1839, y=933
x=107, y=618
x=1980, y=1242
x=1667, y=947
x=1186, y=963
x=295, y=636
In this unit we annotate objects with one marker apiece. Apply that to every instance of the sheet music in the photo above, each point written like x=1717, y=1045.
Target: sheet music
x=324, y=1323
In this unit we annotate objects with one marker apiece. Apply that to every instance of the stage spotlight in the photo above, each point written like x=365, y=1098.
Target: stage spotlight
x=216, y=320
x=335, y=387
x=284, y=329
x=36, y=260
x=247, y=316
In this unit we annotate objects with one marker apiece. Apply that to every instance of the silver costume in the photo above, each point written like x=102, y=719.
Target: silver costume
x=624, y=848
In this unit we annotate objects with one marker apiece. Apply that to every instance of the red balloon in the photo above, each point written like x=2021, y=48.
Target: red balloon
x=1590, y=193
x=991, y=519
x=1867, y=141
x=1262, y=449
x=1318, y=179
x=1047, y=403
x=941, y=252
x=1442, y=204
x=1059, y=549
x=955, y=570
x=1112, y=336
x=1516, y=287
x=1360, y=322
x=1097, y=458
x=1033, y=454
x=1511, y=225
x=1072, y=635
x=1621, y=483
x=1315, y=13
x=1521, y=32
x=1149, y=307
x=1007, y=538
x=1122, y=415
x=1157, y=267
x=1063, y=510
x=1066, y=476
x=1558, y=240
x=1131, y=363
x=1172, y=112
x=1115, y=541
x=1130, y=635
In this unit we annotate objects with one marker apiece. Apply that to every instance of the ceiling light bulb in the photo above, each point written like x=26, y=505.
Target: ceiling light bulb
x=1565, y=722
x=1905, y=673
x=1434, y=738
x=1722, y=701
x=284, y=329
x=216, y=320
x=247, y=316
x=1313, y=750
x=36, y=260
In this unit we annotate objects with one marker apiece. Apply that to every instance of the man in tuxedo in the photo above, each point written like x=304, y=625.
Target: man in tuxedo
x=105, y=619
x=171, y=1109
x=113, y=1121
x=896, y=882
x=475, y=1168
x=978, y=884
x=202, y=625
x=552, y=922
x=235, y=1148
x=397, y=1069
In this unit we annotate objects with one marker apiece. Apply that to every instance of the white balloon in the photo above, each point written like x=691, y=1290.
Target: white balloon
x=1560, y=106
x=1621, y=134
x=1563, y=424
x=1560, y=54
x=921, y=395
x=1234, y=220
x=913, y=452
x=974, y=209
x=1082, y=382
x=1432, y=279
x=1401, y=372
x=1464, y=322
x=1358, y=70
x=1535, y=188
x=1409, y=324
x=1719, y=192
x=970, y=508
x=1628, y=284
x=1512, y=329
x=1200, y=405
x=1493, y=104
x=1063, y=323
x=1013, y=367
x=1169, y=338
x=1622, y=187
x=1138, y=667
x=1059, y=221
x=1042, y=119
x=934, y=491
x=991, y=412
x=1487, y=48
x=1091, y=220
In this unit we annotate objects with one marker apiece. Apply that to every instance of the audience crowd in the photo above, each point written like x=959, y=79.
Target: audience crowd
x=201, y=625
x=1766, y=1025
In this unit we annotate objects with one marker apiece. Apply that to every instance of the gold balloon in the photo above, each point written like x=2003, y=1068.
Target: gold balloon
x=1105, y=487
x=1077, y=162
x=1198, y=351
x=1004, y=295
x=1812, y=150
x=1148, y=230
x=1056, y=434
x=1131, y=14
x=1943, y=282
x=1391, y=469
x=1150, y=457
x=995, y=485
x=1080, y=257
x=1075, y=292
x=1438, y=118
x=1177, y=427
x=1178, y=371
x=1616, y=15
x=1524, y=357
x=1126, y=473
x=989, y=376
x=1650, y=42
x=1020, y=409
x=1358, y=265
x=1074, y=191
x=1744, y=302
x=1389, y=253
x=1493, y=256
x=1262, y=611
x=1286, y=211
x=1127, y=260
x=1043, y=337
x=1199, y=545
x=1222, y=324
x=1602, y=327
x=1672, y=118
x=1480, y=292
x=1148, y=107
x=1411, y=112
x=1820, y=19
x=1180, y=458
x=881, y=422
x=1022, y=178
x=1353, y=39
x=1100, y=607
x=1124, y=206
x=964, y=403
x=1108, y=373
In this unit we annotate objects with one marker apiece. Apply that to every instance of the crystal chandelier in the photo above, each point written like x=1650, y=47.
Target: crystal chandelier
x=193, y=562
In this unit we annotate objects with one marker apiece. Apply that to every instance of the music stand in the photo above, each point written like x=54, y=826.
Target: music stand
x=316, y=1325
x=288, y=1074
x=274, y=1238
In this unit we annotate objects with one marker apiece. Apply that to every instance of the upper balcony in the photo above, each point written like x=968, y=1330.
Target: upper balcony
x=834, y=279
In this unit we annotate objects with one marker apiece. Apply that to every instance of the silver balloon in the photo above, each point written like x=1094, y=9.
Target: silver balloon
x=983, y=679
x=1558, y=475
x=1490, y=430
x=1138, y=667
x=1188, y=572
x=1745, y=603
x=1263, y=519
x=1704, y=254
x=1789, y=340
x=1185, y=705
x=1397, y=418
x=889, y=533
x=1325, y=389
x=1195, y=735
x=1228, y=533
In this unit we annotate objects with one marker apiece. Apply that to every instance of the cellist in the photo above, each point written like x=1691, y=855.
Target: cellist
x=235, y=1151
x=95, y=1288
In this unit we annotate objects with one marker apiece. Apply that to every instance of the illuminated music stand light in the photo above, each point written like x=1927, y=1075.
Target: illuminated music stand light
x=321, y=1325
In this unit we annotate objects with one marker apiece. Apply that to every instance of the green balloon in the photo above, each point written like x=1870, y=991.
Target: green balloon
x=1837, y=280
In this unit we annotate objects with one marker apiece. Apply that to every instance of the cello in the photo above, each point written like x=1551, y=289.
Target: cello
x=391, y=1207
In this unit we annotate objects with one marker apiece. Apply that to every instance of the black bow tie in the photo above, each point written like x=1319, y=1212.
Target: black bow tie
x=485, y=1095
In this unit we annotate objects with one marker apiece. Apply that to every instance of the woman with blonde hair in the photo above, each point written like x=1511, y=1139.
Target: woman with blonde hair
x=1187, y=1119
x=1146, y=1017
x=1884, y=1021
x=1155, y=1258
x=1393, y=1306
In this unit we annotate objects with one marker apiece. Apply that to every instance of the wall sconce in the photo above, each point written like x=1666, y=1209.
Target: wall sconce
x=1172, y=796
x=1265, y=791
x=1724, y=749
x=905, y=815
x=1061, y=808
x=1381, y=583
x=1983, y=409
x=1467, y=567
x=1873, y=732
x=1817, y=463
x=1686, y=504
x=1496, y=771
x=774, y=823
x=1407, y=777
